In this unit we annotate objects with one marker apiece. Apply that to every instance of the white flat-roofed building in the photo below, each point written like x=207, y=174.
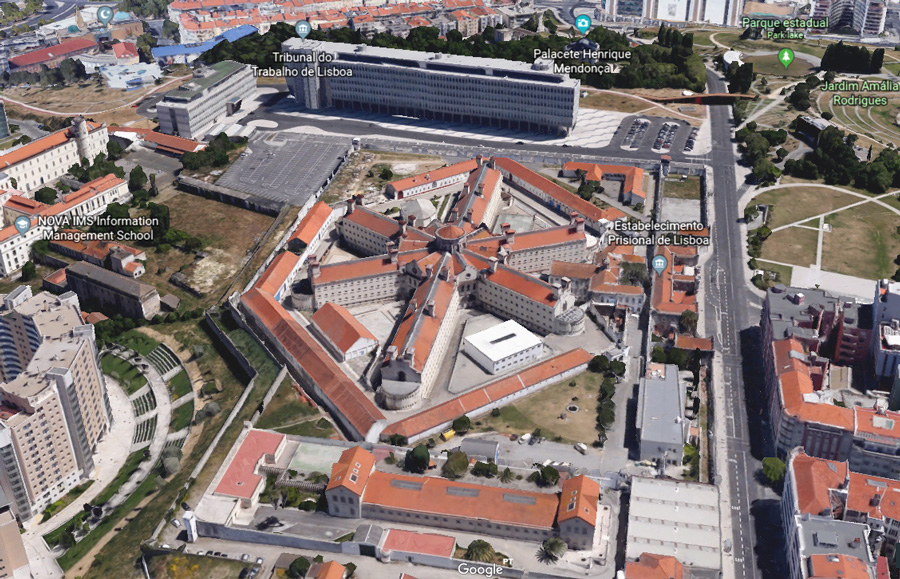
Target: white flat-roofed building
x=215, y=92
x=507, y=345
x=675, y=518
x=458, y=89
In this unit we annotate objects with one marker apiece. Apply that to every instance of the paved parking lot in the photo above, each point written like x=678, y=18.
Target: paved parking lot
x=286, y=167
x=647, y=129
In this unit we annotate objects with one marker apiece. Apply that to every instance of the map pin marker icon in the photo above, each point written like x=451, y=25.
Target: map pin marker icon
x=659, y=264
x=104, y=14
x=22, y=224
x=583, y=23
x=303, y=29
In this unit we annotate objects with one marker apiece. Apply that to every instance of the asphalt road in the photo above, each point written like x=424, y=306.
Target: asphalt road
x=53, y=10
x=732, y=305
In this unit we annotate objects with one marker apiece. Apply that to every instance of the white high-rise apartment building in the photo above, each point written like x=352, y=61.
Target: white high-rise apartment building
x=458, y=89
x=53, y=403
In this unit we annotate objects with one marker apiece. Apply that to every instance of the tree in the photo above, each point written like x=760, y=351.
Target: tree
x=462, y=424
x=479, y=550
x=386, y=174
x=456, y=465
x=137, y=178
x=606, y=413
x=617, y=367
x=687, y=323
x=114, y=151
x=552, y=550
x=298, y=568
x=417, y=459
x=29, y=271
x=781, y=153
x=170, y=31
x=751, y=213
x=598, y=364
x=72, y=70
x=485, y=469
x=773, y=469
x=507, y=476
x=45, y=195
x=547, y=476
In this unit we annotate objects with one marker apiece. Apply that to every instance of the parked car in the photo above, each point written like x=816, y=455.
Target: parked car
x=581, y=447
x=176, y=523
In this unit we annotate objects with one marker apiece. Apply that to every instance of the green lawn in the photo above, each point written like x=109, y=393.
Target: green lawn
x=285, y=408
x=320, y=428
x=675, y=188
x=66, y=500
x=138, y=342
x=255, y=354
x=123, y=372
x=182, y=416
x=180, y=385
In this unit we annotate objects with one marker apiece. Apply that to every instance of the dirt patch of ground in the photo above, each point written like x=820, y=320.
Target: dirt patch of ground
x=362, y=174
x=863, y=242
x=793, y=245
x=790, y=205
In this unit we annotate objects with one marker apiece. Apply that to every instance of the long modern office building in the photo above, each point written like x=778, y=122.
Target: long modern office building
x=469, y=90
x=215, y=92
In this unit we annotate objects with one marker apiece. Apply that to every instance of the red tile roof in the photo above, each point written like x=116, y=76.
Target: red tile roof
x=650, y=566
x=125, y=50
x=514, y=280
x=359, y=268
x=551, y=189
x=472, y=401
x=240, y=479
x=163, y=142
x=527, y=240
x=666, y=298
x=579, y=499
x=311, y=223
x=278, y=272
x=863, y=490
x=418, y=330
x=25, y=205
x=352, y=470
x=58, y=277
x=339, y=325
x=691, y=343
x=422, y=543
x=331, y=570
x=573, y=270
x=814, y=478
x=634, y=176
x=76, y=45
x=837, y=566
x=440, y=496
x=401, y=185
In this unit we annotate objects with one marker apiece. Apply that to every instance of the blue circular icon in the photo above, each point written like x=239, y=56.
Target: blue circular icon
x=303, y=28
x=22, y=224
x=104, y=14
x=583, y=23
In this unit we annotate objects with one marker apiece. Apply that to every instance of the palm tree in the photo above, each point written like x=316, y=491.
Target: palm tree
x=552, y=550
x=506, y=476
x=479, y=550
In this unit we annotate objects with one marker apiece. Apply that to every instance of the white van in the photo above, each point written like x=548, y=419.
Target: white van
x=581, y=447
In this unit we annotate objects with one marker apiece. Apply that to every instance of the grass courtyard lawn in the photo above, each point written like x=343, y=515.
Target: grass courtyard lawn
x=315, y=427
x=543, y=409
x=770, y=65
x=180, y=385
x=138, y=342
x=790, y=205
x=614, y=102
x=863, y=242
x=793, y=245
x=182, y=416
x=181, y=566
x=66, y=500
x=285, y=407
x=784, y=272
x=675, y=188
x=124, y=373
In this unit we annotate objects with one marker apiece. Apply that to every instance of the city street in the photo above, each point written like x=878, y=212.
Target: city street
x=733, y=308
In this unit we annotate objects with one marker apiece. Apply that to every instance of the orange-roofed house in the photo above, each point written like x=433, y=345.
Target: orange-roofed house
x=328, y=570
x=430, y=180
x=650, y=566
x=311, y=228
x=126, y=53
x=51, y=56
x=341, y=333
x=49, y=157
x=349, y=476
x=577, y=516
x=632, y=178
x=242, y=478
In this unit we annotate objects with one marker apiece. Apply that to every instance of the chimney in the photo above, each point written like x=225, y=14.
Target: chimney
x=557, y=289
x=479, y=160
x=351, y=203
x=510, y=236
x=314, y=269
x=565, y=282
x=469, y=216
x=429, y=308
x=392, y=253
x=465, y=190
x=409, y=353
x=572, y=217
x=429, y=270
x=579, y=225
x=445, y=273
x=480, y=191
x=391, y=352
x=402, y=228
x=493, y=266
x=876, y=500
x=411, y=220
x=504, y=227
x=454, y=214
